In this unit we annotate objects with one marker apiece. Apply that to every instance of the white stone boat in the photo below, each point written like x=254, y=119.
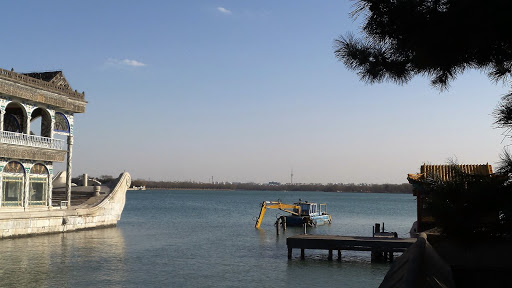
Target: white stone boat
x=36, y=129
x=93, y=207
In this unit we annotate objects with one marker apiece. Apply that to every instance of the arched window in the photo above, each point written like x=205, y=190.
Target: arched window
x=40, y=123
x=13, y=175
x=15, y=118
x=38, y=185
x=61, y=123
x=11, y=123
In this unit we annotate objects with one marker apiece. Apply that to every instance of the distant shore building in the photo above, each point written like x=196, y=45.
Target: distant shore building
x=35, y=109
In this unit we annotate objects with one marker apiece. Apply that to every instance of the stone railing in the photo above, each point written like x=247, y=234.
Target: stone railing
x=37, y=83
x=31, y=140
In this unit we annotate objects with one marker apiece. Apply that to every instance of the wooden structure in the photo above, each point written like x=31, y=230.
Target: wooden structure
x=377, y=245
x=450, y=172
x=439, y=173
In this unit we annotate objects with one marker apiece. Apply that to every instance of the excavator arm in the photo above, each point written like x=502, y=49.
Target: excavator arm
x=292, y=209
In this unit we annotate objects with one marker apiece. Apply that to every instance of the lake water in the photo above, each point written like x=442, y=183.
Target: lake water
x=206, y=239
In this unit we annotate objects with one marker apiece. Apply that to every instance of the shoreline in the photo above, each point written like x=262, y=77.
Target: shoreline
x=225, y=189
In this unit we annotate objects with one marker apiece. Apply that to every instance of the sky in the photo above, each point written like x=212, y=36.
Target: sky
x=242, y=91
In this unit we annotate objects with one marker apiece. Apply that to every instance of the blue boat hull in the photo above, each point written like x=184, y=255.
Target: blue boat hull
x=299, y=221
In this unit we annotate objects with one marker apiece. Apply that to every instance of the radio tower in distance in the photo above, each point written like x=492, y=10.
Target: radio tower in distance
x=291, y=177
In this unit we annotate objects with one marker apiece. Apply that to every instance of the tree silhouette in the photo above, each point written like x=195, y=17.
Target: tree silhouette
x=435, y=38
x=441, y=39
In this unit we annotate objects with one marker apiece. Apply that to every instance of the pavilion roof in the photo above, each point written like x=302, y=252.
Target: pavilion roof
x=450, y=171
x=55, y=77
x=34, y=86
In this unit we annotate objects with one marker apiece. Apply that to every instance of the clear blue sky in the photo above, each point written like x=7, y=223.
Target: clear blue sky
x=241, y=91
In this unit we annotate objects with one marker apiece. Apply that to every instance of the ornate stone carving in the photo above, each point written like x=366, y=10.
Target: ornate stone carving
x=57, y=85
x=33, y=153
x=47, y=97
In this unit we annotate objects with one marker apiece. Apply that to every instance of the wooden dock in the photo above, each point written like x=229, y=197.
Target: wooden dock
x=382, y=248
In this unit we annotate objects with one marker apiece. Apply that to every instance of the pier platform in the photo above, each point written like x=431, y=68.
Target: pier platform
x=382, y=248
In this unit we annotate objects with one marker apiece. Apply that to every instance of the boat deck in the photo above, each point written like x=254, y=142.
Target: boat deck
x=383, y=246
x=80, y=195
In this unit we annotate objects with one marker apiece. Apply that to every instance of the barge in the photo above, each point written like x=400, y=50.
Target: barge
x=299, y=213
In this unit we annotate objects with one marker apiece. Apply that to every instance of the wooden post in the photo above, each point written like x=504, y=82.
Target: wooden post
x=330, y=255
x=419, y=211
x=339, y=255
x=277, y=226
x=68, y=170
x=390, y=256
x=377, y=255
x=290, y=253
x=302, y=254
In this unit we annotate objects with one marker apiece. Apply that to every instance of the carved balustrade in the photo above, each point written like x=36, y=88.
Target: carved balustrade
x=31, y=140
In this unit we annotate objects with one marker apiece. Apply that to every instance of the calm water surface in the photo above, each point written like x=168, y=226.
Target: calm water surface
x=205, y=239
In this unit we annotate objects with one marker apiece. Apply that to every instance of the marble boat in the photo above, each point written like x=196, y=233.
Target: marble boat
x=36, y=130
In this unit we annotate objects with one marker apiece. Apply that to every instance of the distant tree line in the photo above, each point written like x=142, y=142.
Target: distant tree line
x=405, y=188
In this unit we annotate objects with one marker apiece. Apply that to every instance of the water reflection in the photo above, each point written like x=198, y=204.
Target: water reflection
x=77, y=259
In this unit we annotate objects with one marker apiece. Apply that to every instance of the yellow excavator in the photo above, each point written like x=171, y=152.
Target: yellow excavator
x=292, y=209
